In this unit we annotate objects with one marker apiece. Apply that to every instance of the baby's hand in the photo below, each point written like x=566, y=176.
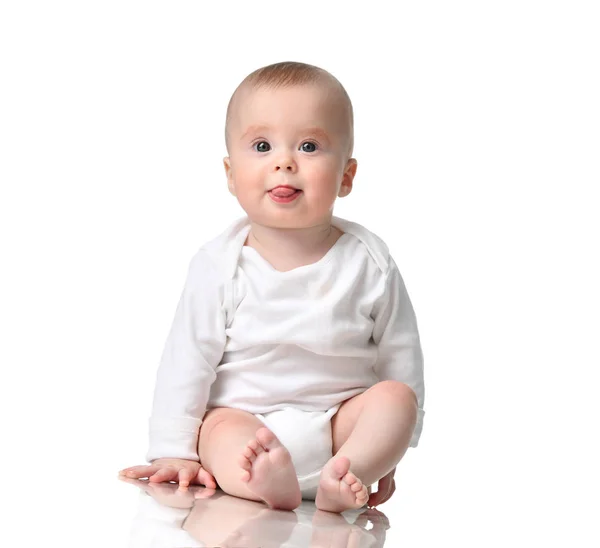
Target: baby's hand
x=181, y=471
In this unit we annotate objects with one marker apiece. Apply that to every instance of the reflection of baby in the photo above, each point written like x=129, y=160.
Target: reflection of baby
x=230, y=521
x=208, y=518
x=293, y=367
x=160, y=517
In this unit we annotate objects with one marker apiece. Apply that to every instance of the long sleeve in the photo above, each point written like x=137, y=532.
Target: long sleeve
x=193, y=349
x=395, y=332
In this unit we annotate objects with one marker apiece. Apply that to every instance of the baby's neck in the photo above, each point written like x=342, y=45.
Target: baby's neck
x=286, y=249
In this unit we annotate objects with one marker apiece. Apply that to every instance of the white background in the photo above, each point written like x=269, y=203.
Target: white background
x=478, y=141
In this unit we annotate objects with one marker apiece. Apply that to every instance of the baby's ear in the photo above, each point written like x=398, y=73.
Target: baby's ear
x=229, y=174
x=349, y=174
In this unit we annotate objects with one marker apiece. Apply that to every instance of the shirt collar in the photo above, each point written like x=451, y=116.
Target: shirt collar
x=237, y=233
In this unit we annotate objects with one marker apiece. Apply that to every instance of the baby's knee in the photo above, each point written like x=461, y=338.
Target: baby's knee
x=215, y=419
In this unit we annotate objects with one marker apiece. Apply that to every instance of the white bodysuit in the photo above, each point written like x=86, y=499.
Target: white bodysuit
x=250, y=337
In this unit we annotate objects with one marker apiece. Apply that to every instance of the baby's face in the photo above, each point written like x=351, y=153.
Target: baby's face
x=296, y=136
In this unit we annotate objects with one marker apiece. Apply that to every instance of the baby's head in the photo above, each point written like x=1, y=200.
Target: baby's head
x=289, y=124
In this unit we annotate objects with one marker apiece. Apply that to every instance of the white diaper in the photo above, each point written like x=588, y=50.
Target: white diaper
x=307, y=436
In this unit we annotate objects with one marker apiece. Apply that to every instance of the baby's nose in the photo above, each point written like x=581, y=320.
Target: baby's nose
x=286, y=165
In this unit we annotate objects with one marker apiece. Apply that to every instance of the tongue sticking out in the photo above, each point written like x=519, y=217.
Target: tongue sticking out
x=283, y=192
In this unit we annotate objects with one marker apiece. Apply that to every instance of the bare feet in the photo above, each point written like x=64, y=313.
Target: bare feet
x=340, y=489
x=269, y=472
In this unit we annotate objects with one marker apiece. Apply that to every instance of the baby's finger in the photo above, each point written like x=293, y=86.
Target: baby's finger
x=164, y=474
x=184, y=477
x=207, y=479
x=384, y=494
x=138, y=472
x=389, y=494
x=377, y=498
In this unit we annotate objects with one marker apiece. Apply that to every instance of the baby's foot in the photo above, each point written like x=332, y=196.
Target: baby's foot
x=339, y=489
x=269, y=472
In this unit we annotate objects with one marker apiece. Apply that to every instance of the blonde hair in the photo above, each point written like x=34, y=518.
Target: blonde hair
x=288, y=74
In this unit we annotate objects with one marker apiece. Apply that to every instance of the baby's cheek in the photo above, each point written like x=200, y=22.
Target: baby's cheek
x=250, y=183
x=321, y=175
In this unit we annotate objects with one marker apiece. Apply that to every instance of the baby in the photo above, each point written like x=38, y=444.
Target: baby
x=293, y=368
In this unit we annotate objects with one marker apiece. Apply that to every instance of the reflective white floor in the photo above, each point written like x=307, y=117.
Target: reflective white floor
x=203, y=517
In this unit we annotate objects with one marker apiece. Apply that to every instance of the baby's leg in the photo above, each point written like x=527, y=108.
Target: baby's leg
x=247, y=460
x=371, y=432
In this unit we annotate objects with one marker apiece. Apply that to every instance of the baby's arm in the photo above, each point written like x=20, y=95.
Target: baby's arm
x=400, y=357
x=191, y=354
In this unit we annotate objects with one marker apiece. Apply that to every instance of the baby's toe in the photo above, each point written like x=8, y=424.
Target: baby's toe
x=266, y=439
x=362, y=494
x=256, y=447
x=356, y=487
x=351, y=479
x=245, y=462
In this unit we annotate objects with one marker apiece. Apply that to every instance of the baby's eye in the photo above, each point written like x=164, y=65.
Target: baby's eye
x=308, y=147
x=262, y=146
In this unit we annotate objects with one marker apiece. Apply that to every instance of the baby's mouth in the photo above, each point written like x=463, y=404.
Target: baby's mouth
x=284, y=192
